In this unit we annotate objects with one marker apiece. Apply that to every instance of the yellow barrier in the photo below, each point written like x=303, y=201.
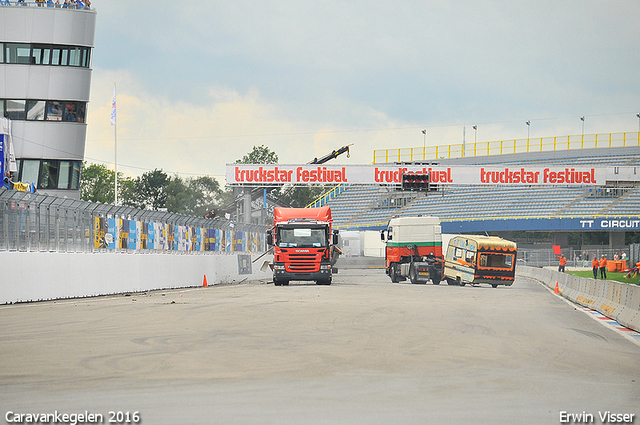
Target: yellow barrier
x=539, y=144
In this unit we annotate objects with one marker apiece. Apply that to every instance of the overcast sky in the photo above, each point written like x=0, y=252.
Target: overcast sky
x=199, y=83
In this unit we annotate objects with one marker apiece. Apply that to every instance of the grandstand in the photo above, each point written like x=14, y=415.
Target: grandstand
x=499, y=209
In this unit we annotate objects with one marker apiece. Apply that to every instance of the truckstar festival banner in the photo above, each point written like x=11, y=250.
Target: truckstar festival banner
x=275, y=174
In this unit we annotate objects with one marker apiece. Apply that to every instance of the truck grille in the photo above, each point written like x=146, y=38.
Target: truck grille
x=303, y=263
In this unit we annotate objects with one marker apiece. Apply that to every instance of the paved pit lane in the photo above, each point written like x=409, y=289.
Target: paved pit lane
x=361, y=351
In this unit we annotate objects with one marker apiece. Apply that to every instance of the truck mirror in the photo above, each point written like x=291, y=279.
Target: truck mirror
x=335, y=238
x=269, y=237
x=382, y=235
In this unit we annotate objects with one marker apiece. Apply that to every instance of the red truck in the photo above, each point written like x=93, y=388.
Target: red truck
x=304, y=246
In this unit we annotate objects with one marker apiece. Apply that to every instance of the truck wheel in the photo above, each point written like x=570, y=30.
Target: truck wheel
x=494, y=285
x=434, y=277
x=451, y=281
x=323, y=282
x=276, y=282
x=413, y=275
x=392, y=273
x=460, y=282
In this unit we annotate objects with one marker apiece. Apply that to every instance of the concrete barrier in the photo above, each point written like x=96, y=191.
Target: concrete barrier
x=616, y=300
x=38, y=276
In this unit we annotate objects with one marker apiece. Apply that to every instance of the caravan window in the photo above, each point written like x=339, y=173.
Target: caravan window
x=496, y=261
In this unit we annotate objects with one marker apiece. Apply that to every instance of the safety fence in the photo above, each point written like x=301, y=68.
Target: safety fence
x=538, y=144
x=58, y=4
x=34, y=222
x=580, y=258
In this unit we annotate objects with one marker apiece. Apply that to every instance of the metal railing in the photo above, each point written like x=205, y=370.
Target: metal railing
x=539, y=144
x=332, y=193
x=34, y=222
x=46, y=3
x=576, y=257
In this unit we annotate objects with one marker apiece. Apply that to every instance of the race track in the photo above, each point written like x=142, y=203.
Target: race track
x=361, y=351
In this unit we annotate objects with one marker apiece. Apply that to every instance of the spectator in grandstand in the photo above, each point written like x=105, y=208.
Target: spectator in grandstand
x=616, y=257
x=595, y=264
x=623, y=256
x=562, y=264
x=603, y=267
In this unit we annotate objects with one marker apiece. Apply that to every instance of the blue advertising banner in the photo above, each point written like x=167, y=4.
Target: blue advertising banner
x=151, y=236
x=112, y=233
x=133, y=234
x=544, y=224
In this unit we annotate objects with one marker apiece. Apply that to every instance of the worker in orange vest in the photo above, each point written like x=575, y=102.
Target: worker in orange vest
x=563, y=262
x=595, y=264
x=603, y=267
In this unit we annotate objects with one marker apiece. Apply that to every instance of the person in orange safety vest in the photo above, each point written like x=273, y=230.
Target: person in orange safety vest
x=563, y=262
x=603, y=267
x=595, y=264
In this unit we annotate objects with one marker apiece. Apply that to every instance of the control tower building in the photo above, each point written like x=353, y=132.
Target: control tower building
x=45, y=79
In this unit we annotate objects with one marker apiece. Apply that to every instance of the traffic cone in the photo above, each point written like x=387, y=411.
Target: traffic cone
x=557, y=290
x=204, y=283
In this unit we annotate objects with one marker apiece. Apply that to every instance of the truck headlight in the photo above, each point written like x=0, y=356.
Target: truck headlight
x=325, y=267
x=278, y=267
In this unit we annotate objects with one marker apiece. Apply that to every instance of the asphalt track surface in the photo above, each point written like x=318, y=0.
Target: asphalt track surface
x=361, y=351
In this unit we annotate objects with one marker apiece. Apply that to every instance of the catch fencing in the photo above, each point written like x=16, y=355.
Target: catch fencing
x=575, y=257
x=30, y=222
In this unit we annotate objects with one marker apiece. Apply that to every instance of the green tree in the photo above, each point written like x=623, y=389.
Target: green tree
x=259, y=155
x=97, y=184
x=195, y=196
x=150, y=191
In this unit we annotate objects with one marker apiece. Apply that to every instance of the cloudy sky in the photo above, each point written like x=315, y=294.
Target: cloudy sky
x=199, y=83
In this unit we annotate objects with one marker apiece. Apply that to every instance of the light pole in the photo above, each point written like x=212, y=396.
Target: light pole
x=475, y=134
x=638, y=115
x=528, y=128
x=424, y=144
x=582, y=119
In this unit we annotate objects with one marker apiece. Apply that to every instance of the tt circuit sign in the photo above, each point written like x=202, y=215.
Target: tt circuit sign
x=275, y=174
x=565, y=224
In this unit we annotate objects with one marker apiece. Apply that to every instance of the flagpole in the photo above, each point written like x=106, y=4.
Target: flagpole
x=115, y=136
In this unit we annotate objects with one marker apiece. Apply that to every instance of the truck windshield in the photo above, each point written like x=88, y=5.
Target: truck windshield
x=302, y=238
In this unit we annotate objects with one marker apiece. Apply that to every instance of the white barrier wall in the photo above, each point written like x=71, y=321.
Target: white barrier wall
x=37, y=276
x=616, y=300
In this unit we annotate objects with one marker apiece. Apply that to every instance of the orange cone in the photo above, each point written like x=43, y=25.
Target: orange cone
x=204, y=283
x=557, y=290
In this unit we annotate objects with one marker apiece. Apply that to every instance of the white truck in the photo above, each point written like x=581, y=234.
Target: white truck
x=414, y=249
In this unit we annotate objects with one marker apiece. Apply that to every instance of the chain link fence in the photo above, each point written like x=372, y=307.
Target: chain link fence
x=34, y=222
x=575, y=257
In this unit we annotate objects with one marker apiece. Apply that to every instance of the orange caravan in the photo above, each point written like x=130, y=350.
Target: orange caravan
x=480, y=259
